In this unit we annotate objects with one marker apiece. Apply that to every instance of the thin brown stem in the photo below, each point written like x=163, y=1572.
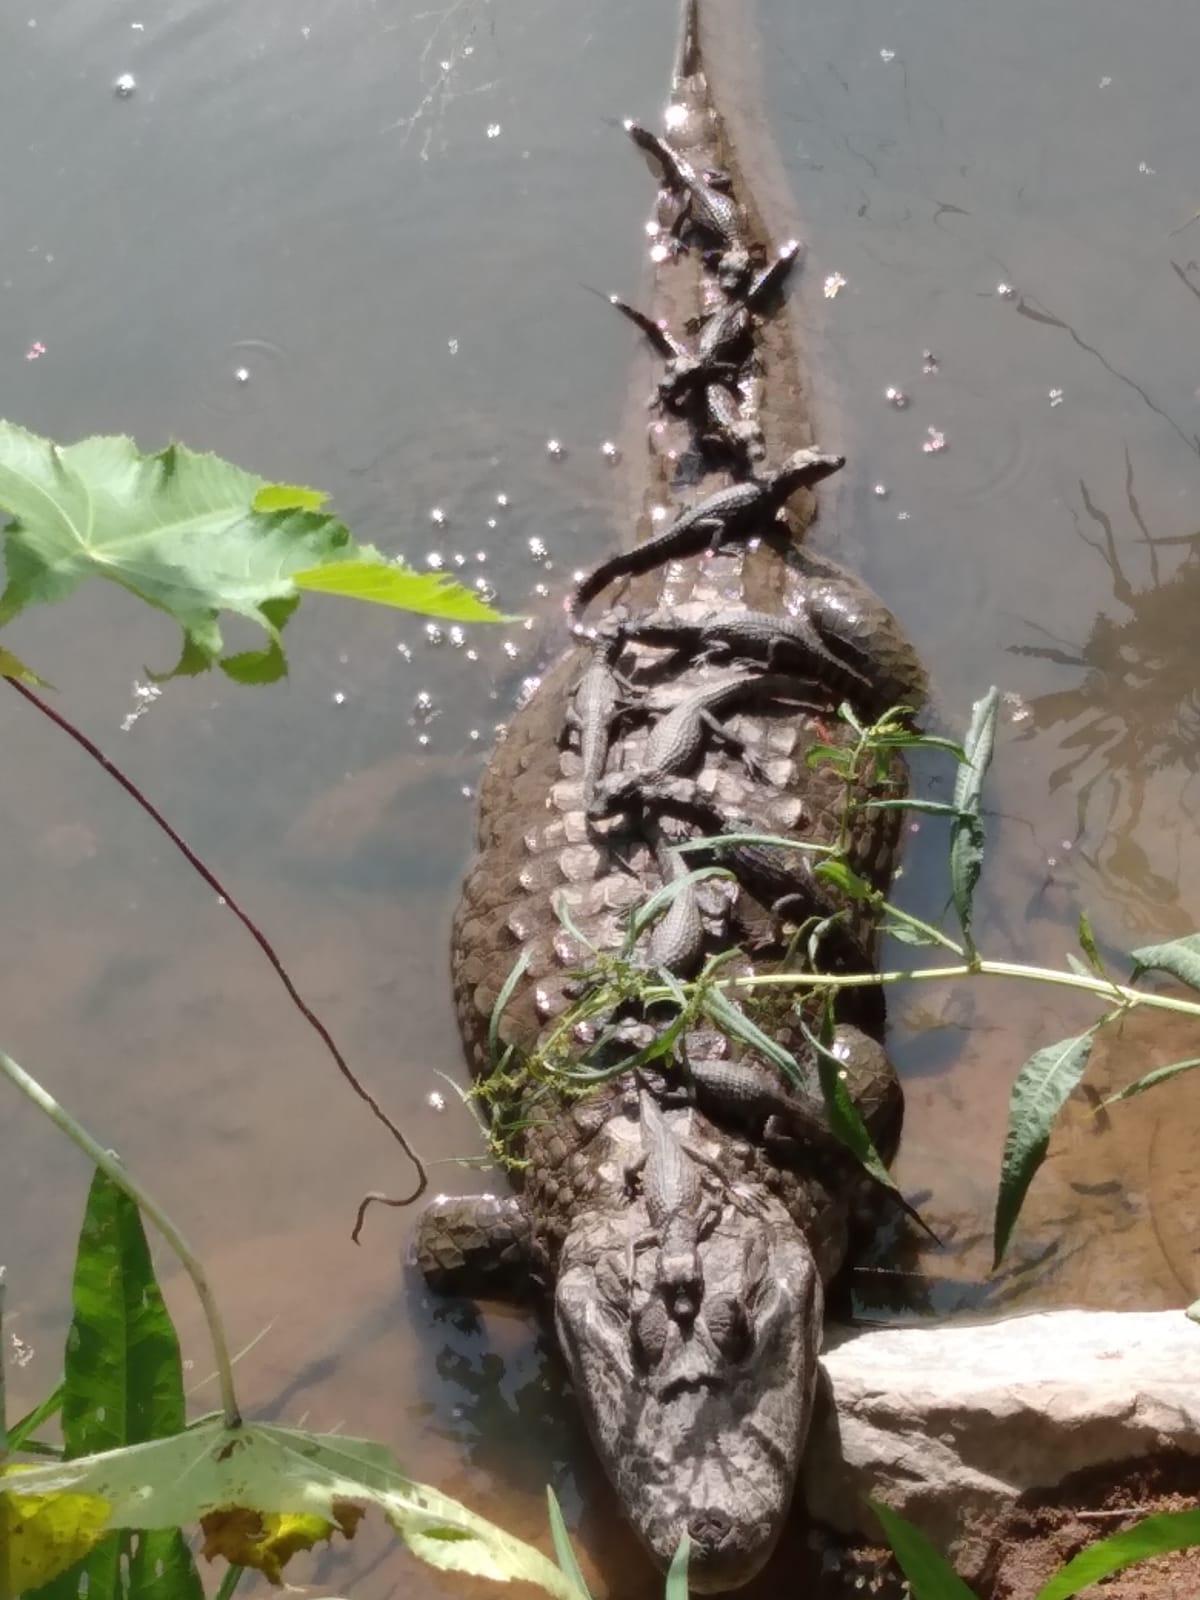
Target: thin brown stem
x=255, y=932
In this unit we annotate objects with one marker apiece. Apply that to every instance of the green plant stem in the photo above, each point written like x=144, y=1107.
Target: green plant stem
x=3, y=1400
x=113, y=1169
x=1131, y=998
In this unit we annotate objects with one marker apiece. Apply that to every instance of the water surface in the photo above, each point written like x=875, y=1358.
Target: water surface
x=387, y=215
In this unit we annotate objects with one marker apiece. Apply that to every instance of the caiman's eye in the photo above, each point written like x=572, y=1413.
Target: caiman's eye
x=725, y=1319
x=650, y=1325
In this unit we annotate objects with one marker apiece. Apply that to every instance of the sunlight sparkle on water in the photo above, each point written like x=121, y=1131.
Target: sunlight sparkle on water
x=895, y=397
x=125, y=85
x=433, y=633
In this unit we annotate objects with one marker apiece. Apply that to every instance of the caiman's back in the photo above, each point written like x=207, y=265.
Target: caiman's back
x=681, y=1210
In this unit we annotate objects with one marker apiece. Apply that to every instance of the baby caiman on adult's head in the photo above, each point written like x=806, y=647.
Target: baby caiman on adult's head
x=699, y=1421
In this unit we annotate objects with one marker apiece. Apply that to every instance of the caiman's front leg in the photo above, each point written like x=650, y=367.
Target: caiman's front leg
x=480, y=1245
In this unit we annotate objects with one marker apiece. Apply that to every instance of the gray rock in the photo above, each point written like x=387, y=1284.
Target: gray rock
x=941, y=1422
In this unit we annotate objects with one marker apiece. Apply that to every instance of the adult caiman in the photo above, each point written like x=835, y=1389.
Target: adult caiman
x=681, y=1225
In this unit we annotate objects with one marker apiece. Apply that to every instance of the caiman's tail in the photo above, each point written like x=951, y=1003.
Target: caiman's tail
x=687, y=51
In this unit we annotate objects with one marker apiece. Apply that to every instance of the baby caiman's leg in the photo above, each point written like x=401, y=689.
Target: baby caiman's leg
x=476, y=1244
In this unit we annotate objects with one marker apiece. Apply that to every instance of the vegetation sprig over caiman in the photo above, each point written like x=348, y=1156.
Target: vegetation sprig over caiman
x=683, y=1225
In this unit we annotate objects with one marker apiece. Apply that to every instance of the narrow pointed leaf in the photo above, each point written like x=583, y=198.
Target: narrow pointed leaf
x=966, y=833
x=1180, y=958
x=1038, y=1095
x=562, y=1545
x=732, y=1019
x=12, y=666
x=28, y=1425
x=930, y=1575
x=502, y=999
x=1151, y=1079
x=844, y=878
x=1153, y=1536
x=931, y=808
x=677, y=1575
x=657, y=903
x=429, y=594
x=1087, y=943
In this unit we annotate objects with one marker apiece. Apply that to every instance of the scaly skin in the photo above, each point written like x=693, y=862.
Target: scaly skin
x=698, y=1420
x=733, y=513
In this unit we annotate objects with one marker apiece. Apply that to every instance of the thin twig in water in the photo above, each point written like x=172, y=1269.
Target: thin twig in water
x=255, y=932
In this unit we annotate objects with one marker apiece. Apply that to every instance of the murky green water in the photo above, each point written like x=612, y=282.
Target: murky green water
x=386, y=216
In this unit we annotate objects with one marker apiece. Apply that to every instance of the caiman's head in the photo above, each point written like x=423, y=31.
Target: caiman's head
x=698, y=1412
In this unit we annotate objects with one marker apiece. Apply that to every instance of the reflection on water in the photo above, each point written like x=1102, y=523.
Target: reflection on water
x=1134, y=712
x=320, y=199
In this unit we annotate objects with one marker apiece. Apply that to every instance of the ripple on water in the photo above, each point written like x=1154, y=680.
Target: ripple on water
x=245, y=378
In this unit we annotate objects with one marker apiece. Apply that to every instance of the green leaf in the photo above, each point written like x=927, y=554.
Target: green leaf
x=932, y=808
x=32, y=1420
x=502, y=999
x=1153, y=1536
x=12, y=666
x=122, y=1385
x=733, y=1020
x=834, y=754
x=1180, y=958
x=656, y=904
x=903, y=933
x=122, y=1373
x=288, y=497
x=562, y=1545
x=213, y=1472
x=844, y=878
x=181, y=531
x=966, y=833
x=677, y=1576
x=430, y=594
x=1159, y=1075
x=1087, y=943
x=930, y=1574
x=1038, y=1095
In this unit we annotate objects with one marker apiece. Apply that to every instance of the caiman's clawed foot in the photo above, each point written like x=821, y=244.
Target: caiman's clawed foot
x=479, y=1245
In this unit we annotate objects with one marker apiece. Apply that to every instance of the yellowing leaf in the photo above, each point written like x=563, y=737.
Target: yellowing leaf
x=42, y=1535
x=12, y=666
x=289, y=497
x=268, y=1542
x=177, y=1482
x=431, y=594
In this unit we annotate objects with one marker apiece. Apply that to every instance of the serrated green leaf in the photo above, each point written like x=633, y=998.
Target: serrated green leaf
x=289, y=497
x=173, y=1483
x=562, y=1545
x=930, y=1575
x=1180, y=958
x=1038, y=1095
x=1151, y=1079
x=677, y=1575
x=966, y=832
x=383, y=583
x=1153, y=1536
x=177, y=529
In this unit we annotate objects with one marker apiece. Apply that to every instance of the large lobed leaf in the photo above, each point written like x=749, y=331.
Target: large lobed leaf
x=217, y=1474
x=194, y=536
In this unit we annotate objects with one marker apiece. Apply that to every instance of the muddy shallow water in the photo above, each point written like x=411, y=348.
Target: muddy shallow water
x=386, y=216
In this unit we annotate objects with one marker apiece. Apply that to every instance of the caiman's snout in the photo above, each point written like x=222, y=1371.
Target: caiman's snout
x=699, y=1420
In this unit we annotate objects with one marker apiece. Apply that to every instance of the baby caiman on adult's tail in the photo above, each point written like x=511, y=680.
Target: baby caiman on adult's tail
x=683, y=1224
